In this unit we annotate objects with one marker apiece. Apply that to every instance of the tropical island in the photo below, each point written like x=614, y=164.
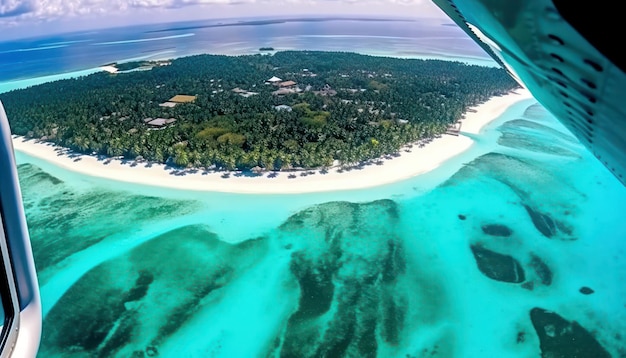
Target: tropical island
x=294, y=109
x=266, y=49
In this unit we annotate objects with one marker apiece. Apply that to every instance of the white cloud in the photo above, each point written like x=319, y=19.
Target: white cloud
x=13, y=8
x=22, y=18
x=52, y=9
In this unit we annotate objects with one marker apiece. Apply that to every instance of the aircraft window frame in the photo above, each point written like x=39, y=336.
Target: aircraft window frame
x=20, y=332
x=8, y=294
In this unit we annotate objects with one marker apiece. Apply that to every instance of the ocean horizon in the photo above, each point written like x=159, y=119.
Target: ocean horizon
x=31, y=61
x=522, y=230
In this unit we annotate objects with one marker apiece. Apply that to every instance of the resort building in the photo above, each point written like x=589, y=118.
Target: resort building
x=274, y=80
x=178, y=99
x=287, y=84
x=283, y=107
x=181, y=98
x=284, y=91
x=286, y=87
x=159, y=122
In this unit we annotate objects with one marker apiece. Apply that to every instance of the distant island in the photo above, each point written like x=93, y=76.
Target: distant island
x=294, y=109
x=266, y=49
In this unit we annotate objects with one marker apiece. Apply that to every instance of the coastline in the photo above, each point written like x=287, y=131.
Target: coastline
x=411, y=162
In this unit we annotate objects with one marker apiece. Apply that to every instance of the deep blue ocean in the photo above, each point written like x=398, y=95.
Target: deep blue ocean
x=36, y=57
x=511, y=249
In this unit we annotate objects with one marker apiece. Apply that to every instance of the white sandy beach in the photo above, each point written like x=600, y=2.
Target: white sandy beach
x=409, y=164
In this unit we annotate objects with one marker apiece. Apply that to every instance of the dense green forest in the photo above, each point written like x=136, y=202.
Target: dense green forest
x=343, y=106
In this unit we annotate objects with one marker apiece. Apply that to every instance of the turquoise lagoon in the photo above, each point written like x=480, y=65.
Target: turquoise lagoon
x=510, y=249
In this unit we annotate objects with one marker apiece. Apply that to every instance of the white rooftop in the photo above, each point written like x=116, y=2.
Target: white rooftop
x=274, y=79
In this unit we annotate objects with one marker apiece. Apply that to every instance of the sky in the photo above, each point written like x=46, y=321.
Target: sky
x=28, y=18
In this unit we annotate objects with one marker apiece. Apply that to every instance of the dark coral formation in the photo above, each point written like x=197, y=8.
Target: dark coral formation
x=535, y=186
x=64, y=220
x=586, y=290
x=348, y=275
x=541, y=269
x=189, y=262
x=347, y=263
x=497, y=230
x=544, y=223
x=548, y=226
x=559, y=338
x=497, y=266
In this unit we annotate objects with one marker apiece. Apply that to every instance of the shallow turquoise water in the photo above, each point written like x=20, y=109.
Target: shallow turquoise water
x=453, y=263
